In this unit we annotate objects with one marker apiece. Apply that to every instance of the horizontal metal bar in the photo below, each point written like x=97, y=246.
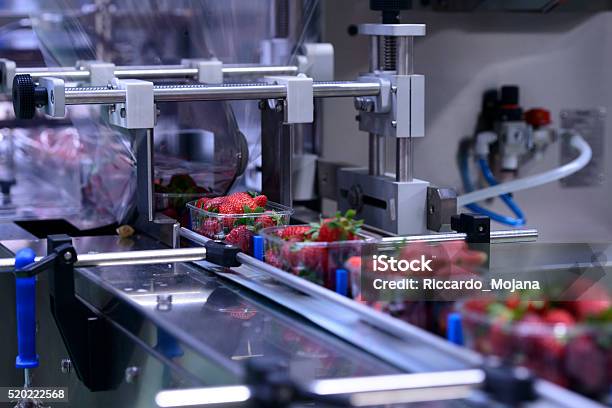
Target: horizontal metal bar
x=177, y=93
x=497, y=237
x=362, y=391
x=71, y=75
x=160, y=71
x=128, y=258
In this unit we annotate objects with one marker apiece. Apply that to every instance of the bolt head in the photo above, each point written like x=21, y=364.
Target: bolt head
x=66, y=366
x=68, y=256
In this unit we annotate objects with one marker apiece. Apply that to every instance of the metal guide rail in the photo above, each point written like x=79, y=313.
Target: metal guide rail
x=250, y=91
x=158, y=71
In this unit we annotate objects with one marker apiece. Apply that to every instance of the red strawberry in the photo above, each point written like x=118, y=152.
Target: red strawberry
x=261, y=201
x=314, y=258
x=236, y=203
x=559, y=316
x=296, y=232
x=242, y=237
x=214, y=204
x=273, y=259
x=201, y=203
x=586, y=365
x=339, y=228
x=210, y=228
x=265, y=221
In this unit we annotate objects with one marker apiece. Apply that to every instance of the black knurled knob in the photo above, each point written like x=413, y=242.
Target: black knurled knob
x=24, y=97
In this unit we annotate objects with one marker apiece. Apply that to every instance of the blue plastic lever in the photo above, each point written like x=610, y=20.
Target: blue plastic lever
x=454, y=329
x=258, y=247
x=26, y=312
x=342, y=282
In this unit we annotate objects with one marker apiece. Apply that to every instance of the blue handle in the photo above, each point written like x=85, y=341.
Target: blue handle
x=26, y=312
x=454, y=329
x=342, y=282
x=258, y=247
x=167, y=344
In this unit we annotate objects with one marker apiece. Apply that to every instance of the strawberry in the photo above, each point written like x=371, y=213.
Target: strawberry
x=201, y=203
x=264, y=221
x=273, y=259
x=237, y=203
x=298, y=232
x=213, y=205
x=314, y=258
x=261, y=200
x=242, y=237
x=339, y=228
x=585, y=364
x=559, y=316
x=210, y=228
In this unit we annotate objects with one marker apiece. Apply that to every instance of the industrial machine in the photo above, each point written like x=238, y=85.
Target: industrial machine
x=167, y=317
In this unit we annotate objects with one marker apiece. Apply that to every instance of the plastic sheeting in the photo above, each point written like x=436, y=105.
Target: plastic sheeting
x=137, y=32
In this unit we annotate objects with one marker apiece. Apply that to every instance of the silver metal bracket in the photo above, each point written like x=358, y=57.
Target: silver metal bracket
x=100, y=73
x=396, y=207
x=138, y=111
x=8, y=69
x=210, y=71
x=56, y=97
x=299, y=103
x=317, y=61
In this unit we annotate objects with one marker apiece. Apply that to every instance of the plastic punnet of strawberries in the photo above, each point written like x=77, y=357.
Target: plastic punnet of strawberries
x=566, y=342
x=236, y=218
x=315, y=251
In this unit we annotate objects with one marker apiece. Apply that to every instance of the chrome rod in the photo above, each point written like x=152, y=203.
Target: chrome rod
x=176, y=93
x=73, y=74
x=153, y=256
x=159, y=71
x=497, y=237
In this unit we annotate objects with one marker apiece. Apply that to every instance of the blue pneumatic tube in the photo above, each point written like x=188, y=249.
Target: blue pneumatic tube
x=26, y=312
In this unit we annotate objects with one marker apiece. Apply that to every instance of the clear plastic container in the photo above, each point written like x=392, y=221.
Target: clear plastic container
x=218, y=226
x=174, y=205
x=315, y=261
x=577, y=356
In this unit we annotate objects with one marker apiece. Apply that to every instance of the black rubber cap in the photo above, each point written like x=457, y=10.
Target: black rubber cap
x=24, y=97
x=509, y=95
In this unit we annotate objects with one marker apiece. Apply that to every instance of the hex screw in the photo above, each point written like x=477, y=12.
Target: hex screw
x=66, y=366
x=67, y=256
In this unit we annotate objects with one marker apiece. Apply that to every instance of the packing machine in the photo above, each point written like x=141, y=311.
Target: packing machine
x=168, y=318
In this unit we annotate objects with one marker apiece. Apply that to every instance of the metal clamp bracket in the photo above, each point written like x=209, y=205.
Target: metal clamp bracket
x=138, y=111
x=100, y=73
x=299, y=104
x=317, y=61
x=8, y=70
x=210, y=71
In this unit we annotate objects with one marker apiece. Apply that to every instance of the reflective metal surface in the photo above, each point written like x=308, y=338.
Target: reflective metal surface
x=210, y=319
x=177, y=93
